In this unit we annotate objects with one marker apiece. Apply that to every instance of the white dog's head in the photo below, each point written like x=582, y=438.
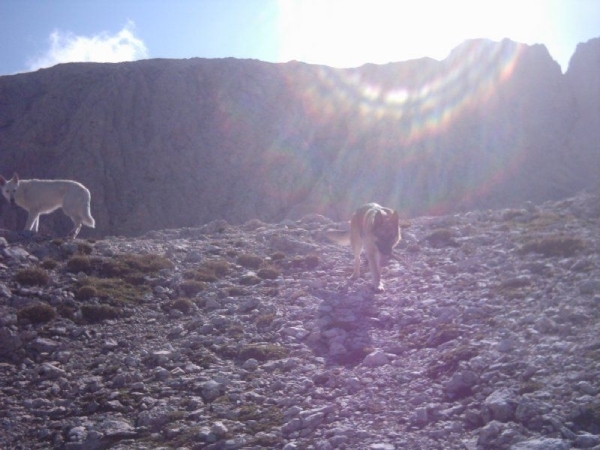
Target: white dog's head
x=9, y=188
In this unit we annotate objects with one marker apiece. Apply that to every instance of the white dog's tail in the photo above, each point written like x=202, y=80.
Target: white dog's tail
x=88, y=220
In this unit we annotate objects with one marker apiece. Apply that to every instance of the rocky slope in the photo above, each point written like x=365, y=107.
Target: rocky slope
x=250, y=336
x=179, y=143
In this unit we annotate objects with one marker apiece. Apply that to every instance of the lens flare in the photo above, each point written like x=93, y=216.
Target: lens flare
x=395, y=116
x=379, y=133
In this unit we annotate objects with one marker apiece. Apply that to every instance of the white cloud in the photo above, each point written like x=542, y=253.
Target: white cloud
x=104, y=47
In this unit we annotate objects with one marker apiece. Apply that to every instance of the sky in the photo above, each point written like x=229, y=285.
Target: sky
x=340, y=33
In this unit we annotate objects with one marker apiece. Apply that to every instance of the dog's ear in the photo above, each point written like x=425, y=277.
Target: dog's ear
x=15, y=177
x=2, y=180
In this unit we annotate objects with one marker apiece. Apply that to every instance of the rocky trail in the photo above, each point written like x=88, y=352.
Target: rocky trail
x=251, y=336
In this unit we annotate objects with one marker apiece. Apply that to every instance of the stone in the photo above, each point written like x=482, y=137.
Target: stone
x=589, y=287
x=460, y=383
x=531, y=411
x=9, y=341
x=542, y=444
x=500, y=405
x=377, y=358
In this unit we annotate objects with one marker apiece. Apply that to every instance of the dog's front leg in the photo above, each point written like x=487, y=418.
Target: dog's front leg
x=33, y=219
x=375, y=272
x=356, y=271
x=357, y=245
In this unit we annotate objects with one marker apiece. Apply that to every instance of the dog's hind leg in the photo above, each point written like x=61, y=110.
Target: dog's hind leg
x=75, y=232
x=76, y=227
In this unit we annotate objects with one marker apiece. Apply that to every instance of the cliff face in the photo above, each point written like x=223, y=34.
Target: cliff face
x=584, y=85
x=175, y=143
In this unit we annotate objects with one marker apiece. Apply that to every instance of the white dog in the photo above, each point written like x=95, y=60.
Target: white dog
x=39, y=197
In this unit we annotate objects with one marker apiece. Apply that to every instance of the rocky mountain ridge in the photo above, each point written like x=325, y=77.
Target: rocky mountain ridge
x=179, y=143
x=251, y=336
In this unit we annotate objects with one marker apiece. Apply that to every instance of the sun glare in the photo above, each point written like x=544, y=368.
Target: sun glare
x=346, y=34
x=343, y=33
x=350, y=33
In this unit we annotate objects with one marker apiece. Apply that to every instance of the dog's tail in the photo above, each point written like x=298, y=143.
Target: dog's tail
x=339, y=237
x=88, y=219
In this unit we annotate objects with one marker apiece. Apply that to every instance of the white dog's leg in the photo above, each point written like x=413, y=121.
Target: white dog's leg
x=33, y=219
x=76, y=229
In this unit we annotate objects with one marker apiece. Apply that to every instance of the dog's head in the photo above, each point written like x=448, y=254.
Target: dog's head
x=386, y=228
x=9, y=188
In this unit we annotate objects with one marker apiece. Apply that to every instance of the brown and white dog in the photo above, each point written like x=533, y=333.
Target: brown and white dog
x=375, y=228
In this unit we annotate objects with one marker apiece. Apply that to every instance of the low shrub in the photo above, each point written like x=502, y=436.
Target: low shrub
x=49, y=264
x=563, y=246
x=249, y=280
x=98, y=313
x=114, y=290
x=219, y=266
x=124, y=265
x=308, y=262
x=262, y=352
x=204, y=274
x=268, y=273
x=184, y=305
x=450, y=361
x=277, y=256
x=86, y=292
x=84, y=248
x=33, y=276
x=237, y=292
x=209, y=271
x=79, y=263
x=441, y=237
x=192, y=287
x=264, y=321
x=249, y=261
x=37, y=313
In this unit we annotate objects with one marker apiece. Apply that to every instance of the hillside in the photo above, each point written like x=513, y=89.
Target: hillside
x=180, y=143
x=251, y=336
